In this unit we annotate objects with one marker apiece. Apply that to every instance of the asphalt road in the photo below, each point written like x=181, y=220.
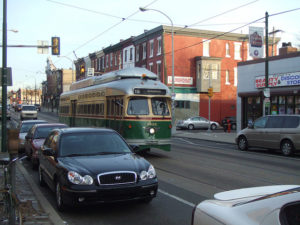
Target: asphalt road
x=193, y=171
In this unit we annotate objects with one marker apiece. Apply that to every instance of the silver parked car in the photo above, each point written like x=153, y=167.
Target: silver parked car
x=196, y=122
x=274, y=132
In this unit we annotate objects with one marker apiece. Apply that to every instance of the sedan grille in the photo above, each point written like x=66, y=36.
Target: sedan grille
x=117, y=177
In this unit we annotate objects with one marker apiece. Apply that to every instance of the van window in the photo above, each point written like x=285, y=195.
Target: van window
x=260, y=122
x=291, y=122
x=275, y=122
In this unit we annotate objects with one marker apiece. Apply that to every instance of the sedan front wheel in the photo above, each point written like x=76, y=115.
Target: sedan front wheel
x=59, y=197
x=191, y=127
x=242, y=143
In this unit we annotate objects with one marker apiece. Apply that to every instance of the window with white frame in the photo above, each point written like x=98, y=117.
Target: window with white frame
x=144, y=51
x=158, y=45
x=137, y=53
x=227, y=50
x=151, y=67
x=125, y=56
x=235, y=76
x=111, y=59
x=227, y=80
x=116, y=55
x=130, y=54
x=237, y=51
x=151, y=48
x=107, y=61
x=206, y=45
x=158, y=68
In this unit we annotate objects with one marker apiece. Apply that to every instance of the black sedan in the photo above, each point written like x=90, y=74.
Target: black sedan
x=90, y=165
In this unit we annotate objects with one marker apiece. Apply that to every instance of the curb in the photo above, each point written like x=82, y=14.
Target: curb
x=46, y=206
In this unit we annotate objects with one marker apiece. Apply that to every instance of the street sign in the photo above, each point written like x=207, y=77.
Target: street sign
x=42, y=47
x=90, y=72
x=9, y=76
x=267, y=92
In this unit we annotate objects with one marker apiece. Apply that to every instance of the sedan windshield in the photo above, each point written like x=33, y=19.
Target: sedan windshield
x=28, y=108
x=138, y=106
x=92, y=144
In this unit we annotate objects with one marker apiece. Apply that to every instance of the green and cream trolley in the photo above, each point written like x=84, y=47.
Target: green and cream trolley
x=131, y=101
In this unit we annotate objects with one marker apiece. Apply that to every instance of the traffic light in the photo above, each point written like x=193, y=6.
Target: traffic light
x=210, y=92
x=82, y=69
x=55, y=43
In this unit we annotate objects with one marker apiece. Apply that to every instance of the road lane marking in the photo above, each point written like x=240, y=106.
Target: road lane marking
x=176, y=198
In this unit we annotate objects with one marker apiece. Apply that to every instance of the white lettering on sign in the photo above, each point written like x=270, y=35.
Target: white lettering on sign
x=278, y=80
x=181, y=80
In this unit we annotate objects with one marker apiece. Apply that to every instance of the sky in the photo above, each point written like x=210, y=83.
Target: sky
x=88, y=26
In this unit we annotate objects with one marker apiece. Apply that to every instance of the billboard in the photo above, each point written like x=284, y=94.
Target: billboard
x=256, y=42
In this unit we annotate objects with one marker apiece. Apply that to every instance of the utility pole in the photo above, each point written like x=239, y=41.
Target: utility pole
x=266, y=89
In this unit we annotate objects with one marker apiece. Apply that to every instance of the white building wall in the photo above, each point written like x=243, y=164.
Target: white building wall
x=248, y=73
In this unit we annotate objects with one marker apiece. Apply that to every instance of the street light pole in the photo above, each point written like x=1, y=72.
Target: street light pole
x=172, y=31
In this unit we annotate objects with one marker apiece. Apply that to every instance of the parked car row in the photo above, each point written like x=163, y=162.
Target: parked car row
x=86, y=165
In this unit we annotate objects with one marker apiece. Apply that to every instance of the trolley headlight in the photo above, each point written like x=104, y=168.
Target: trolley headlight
x=76, y=178
x=152, y=130
x=150, y=174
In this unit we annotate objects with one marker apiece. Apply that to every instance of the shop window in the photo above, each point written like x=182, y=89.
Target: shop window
x=182, y=104
x=281, y=105
x=274, y=106
x=290, y=105
x=297, y=105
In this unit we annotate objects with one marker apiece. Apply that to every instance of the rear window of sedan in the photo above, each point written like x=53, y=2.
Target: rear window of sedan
x=43, y=132
x=92, y=144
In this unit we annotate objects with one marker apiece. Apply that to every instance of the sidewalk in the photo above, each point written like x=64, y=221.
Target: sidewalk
x=216, y=136
x=35, y=208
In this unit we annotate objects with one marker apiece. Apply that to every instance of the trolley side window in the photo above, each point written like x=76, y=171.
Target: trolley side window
x=138, y=106
x=160, y=106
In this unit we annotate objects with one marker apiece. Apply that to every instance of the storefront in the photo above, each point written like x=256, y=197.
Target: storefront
x=282, y=96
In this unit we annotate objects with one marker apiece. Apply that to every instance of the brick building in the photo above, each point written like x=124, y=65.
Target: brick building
x=202, y=58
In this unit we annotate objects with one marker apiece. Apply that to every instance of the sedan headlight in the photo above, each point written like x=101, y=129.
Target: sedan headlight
x=150, y=174
x=76, y=178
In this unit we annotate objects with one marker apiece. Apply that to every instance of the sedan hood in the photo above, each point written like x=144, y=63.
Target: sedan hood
x=254, y=192
x=104, y=163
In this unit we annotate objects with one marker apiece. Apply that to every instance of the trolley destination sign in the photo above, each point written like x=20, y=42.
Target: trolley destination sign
x=279, y=80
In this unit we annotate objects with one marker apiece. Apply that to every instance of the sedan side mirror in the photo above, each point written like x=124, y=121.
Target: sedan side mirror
x=250, y=125
x=134, y=148
x=27, y=137
x=48, y=152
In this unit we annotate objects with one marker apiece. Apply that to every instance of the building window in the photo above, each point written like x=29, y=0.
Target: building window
x=131, y=54
x=182, y=104
x=227, y=50
x=158, y=66
x=206, y=45
x=144, y=51
x=106, y=61
x=158, y=45
x=151, y=67
x=125, y=57
x=111, y=59
x=115, y=59
x=151, y=48
x=235, y=76
x=227, y=81
x=137, y=53
x=237, y=51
